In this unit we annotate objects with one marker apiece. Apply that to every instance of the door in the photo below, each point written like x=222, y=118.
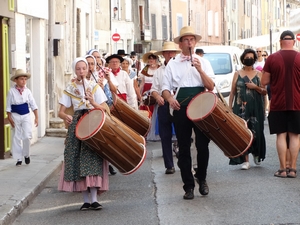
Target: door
x=5, y=132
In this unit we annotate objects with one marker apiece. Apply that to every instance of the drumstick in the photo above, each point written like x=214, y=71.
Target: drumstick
x=191, y=56
x=221, y=97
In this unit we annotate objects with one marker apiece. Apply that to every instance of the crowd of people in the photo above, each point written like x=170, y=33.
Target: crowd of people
x=163, y=84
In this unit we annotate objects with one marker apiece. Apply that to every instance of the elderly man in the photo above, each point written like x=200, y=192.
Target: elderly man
x=281, y=71
x=125, y=89
x=188, y=75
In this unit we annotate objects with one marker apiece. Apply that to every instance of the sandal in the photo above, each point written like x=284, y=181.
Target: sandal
x=293, y=171
x=279, y=173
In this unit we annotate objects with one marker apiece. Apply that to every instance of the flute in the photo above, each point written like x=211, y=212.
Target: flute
x=93, y=76
x=191, y=55
x=101, y=68
x=83, y=86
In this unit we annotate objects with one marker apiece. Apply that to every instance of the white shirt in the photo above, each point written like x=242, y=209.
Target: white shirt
x=183, y=74
x=74, y=95
x=146, y=78
x=15, y=98
x=126, y=87
x=257, y=63
x=158, y=80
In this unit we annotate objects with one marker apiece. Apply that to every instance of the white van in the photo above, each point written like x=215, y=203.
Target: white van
x=225, y=60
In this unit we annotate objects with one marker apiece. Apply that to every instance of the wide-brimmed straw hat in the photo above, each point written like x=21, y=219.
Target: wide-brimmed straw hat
x=20, y=73
x=185, y=31
x=146, y=55
x=168, y=46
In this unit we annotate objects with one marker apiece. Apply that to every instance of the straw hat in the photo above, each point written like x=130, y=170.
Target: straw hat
x=185, y=31
x=20, y=73
x=168, y=46
x=146, y=55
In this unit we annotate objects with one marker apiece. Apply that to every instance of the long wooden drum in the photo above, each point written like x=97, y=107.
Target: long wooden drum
x=131, y=117
x=227, y=130
x=112, y=140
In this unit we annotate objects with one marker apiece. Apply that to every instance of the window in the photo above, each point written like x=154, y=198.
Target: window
x=217, y=24
x=153, y=26
x=210, y=23
x=179, y=24
x=128, y=10
x=97, y=7
x=220, y=62
x=198, y=23
x=164, y=27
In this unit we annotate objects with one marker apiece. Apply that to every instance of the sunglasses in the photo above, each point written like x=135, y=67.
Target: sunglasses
x=287, y=38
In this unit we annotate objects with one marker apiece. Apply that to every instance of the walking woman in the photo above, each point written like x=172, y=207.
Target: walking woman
x=247, y=98
x=83, y=169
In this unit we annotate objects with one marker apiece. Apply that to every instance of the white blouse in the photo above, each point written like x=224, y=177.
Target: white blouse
x=74, y=95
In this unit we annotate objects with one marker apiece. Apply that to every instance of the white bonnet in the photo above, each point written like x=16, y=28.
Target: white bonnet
x=78, y=60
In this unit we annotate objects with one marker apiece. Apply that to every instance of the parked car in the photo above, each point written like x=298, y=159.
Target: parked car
x=225, y=60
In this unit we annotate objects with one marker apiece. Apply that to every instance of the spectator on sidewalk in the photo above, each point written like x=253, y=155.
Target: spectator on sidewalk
x=18, y=102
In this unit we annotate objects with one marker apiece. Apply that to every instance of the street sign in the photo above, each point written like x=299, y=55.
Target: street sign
x=298, y=37
x=116, y=37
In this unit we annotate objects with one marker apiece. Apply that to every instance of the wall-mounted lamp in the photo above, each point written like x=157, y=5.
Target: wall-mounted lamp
x=288, y=8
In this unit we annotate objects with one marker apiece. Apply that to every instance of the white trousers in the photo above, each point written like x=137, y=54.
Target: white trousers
x=22, y=133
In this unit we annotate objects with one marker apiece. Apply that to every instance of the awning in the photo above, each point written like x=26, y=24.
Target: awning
x=259, y=41
x=294, y=21
x=264, y=40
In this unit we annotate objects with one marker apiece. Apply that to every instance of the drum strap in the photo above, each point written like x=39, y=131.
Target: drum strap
x=80, y=113
x=186, y=94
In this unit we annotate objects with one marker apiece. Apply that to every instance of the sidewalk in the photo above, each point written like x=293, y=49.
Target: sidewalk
x=20, y=185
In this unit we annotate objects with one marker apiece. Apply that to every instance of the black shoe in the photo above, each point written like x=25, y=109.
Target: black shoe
x=189, y=195
x=170, y=170
x=85, y=206
x=27, y=160
x=19, y=163
x=96, y=206
x=203, y=187
x=111, y=170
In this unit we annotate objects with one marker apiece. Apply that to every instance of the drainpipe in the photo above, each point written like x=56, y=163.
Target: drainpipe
x=170, y=19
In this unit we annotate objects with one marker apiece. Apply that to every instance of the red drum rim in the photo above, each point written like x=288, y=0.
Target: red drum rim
x=139, y=164
x=94, y=123
x=196, y=110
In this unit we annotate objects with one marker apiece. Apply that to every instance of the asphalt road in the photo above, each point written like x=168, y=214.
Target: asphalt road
x=150, y=197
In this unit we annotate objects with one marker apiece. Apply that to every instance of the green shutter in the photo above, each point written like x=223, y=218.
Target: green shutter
x=11, y=5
